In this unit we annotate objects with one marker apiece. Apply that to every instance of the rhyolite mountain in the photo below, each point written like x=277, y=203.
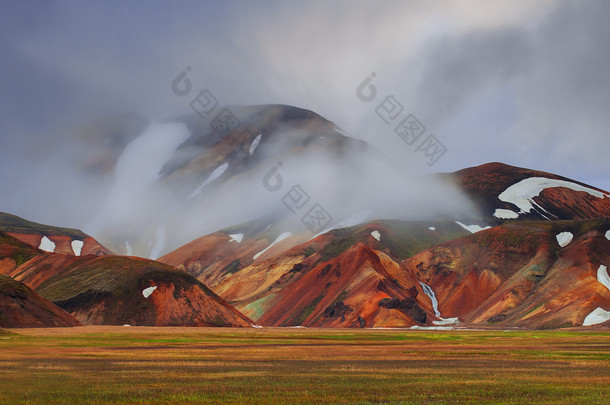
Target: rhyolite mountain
x=51, y=238
x=20, y=307
x=539, y=274
x=534, y=256
x=290, y=285
x=534, y=274
x=199, y=181
x=202, y=171
x=503, y=192
x=105, y=290
x=488, y=246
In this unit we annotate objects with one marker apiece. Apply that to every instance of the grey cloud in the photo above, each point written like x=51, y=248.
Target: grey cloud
x=67, y=62
x=556, y=69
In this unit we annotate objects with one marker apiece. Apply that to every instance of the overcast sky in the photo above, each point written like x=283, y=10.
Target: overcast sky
x=521, y=82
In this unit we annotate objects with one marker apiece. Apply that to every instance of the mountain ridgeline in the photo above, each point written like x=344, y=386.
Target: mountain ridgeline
x=227, y=218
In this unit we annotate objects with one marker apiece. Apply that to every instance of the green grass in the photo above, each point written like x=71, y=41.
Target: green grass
x=19, y=251
x=403, y=240
x=232, y=267
x=294, y=366
x=15, y=224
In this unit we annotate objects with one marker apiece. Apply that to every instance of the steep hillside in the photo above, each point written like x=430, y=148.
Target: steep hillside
x=530, y=274
x=342, y=278
x=116, y=290
x=462, y=268
x=20, y=307
x=14, y=253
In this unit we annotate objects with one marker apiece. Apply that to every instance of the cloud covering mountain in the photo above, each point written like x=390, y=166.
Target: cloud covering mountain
x=519, y=82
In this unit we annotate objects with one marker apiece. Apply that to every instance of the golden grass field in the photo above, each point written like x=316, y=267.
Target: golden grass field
x=94, y=365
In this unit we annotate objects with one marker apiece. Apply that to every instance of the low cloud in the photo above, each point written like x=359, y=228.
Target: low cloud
x=521, y=82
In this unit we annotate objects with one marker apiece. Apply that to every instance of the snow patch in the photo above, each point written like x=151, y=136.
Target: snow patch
x=77, y=246
x=254, y=145
x=472, y=228
x=376, y=235
x=236, y=237
x=128, y=249
x=446, y=321
x=505, y=214
x=219, y=171
x=277, y=240
x=597, y=316
x=608, y=235
x=159, y=243
x=522, y=193
x=47, y=245
x=564, y=238
x=417, y=327
x=432, y=228
x=147, y=291
x=602, y=276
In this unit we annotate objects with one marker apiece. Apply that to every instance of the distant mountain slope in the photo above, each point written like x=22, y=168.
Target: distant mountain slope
x=504, y=192
x=518, y=274
x=116, y=290
x=204, y=171
x=297, y=281
x=50, y=238
x=20, y=307
x=535, y=274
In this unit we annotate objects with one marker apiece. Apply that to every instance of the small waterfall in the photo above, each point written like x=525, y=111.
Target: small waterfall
x=428, y=291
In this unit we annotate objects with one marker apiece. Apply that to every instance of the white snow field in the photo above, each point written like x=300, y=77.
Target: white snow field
x=47, y=245
x=598, y=315
x=277, y=240
x=522, y=193
x=564, y=238
x=213, y=176
x=236, y=237
x=147, y=291
x=254, y=145
x=505, y=214
x=602, y=276
x=472, y=228
x=77, y=246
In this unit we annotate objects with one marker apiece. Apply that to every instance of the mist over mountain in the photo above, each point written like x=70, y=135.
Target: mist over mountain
x=344, y=164
x=518, y=82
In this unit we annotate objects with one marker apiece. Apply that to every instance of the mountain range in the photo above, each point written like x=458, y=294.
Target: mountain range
x=285, y=220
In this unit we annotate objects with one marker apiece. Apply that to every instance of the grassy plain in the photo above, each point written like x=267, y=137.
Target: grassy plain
x=94, y=365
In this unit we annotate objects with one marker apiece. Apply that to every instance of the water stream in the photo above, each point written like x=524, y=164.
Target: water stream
x=428, y=291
